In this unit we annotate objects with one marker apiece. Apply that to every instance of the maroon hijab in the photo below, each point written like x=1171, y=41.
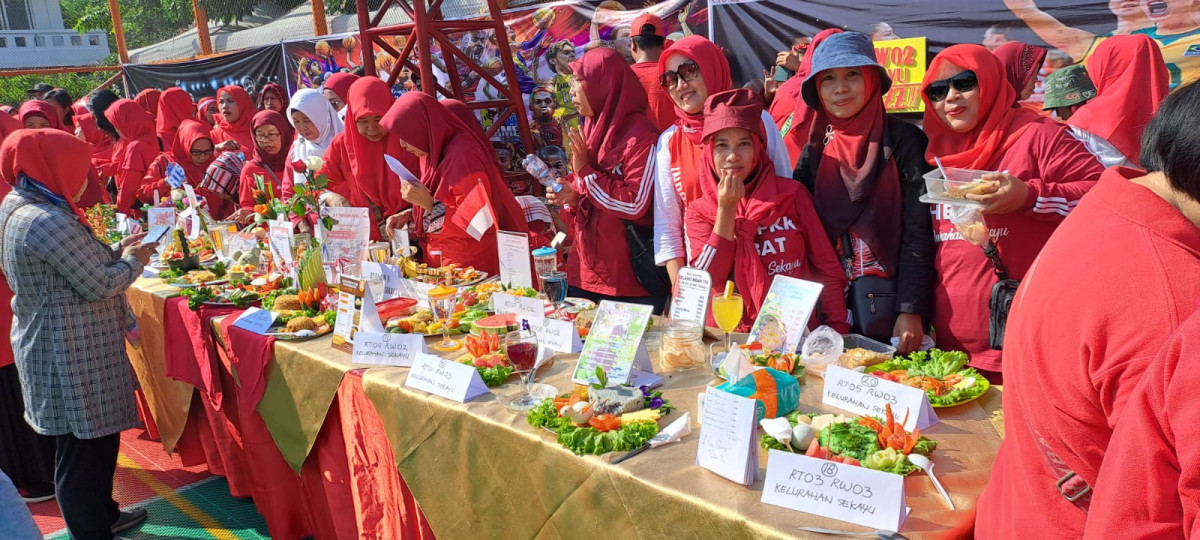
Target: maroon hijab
x=276, y=161
x=1021, y=63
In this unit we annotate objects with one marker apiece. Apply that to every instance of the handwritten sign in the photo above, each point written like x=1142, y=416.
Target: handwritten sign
x=553, y=334
x=843, y=492
x=515, y=267
x=691, y=301
x=865, y=394
x=790, y=302
x=384, y=280
x=445, y=378
x=904, y=60
x=387, y=349
x=255, y=320
x=521, y=306
x=614, y=342
x=401, y=247
x=727, y=445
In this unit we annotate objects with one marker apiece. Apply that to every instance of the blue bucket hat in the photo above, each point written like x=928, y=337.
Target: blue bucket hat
x=847, y=49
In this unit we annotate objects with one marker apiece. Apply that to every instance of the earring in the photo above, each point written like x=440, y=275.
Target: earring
x=828, y=135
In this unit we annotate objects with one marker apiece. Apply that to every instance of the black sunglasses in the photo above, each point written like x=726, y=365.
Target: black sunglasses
x=963, y=82
x=688, y=71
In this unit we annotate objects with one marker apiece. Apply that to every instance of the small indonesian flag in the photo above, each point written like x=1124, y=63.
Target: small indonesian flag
x=475, y=214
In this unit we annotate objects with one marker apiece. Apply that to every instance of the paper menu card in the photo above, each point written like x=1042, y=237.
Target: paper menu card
x=843, y=492
x=728, y=445
x=347, y=242
x=868, y=395
x=789, y=302
x=614, y=342
x=516, y=267
x=355, y=312
x=690, y=302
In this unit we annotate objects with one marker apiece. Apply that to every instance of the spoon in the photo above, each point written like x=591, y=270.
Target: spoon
x=924, y=463
x=301, y=333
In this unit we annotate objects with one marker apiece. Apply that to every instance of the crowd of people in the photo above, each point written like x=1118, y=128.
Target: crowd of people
x=1091, y=204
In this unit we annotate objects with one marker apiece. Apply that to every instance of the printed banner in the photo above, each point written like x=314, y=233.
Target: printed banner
x=251, y=69
x=904, y=60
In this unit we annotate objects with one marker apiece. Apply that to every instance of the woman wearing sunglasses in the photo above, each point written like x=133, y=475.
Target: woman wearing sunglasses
x=1043, y=172
x=612, y=163
x=864, y=169
x=754, y=220
x=692, y=69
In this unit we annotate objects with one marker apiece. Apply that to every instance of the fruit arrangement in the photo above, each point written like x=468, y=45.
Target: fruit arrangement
x=201, y=247
x=484, y=350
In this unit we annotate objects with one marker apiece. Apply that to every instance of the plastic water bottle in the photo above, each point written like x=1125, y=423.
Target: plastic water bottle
x=538, y=169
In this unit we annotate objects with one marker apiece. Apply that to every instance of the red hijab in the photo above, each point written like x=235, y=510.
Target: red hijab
x=246, y=110
x=1001, y=123
x=190, y=132
x=1021, y=63
x=802, y=116
x=453, y=151
x=857, y=187
x=462, y=112
x=370, y=96
x=55, y=159
x=174, y=106
x=714, y=67
x=8, y=125
x=102, y=143
x=1131, y=81
x=278, y=91
x=202, y=111
x=340, y=84
x=43, y=109
x=275, y=161
x=618, y=101
x=148, y=99
x=767, y=197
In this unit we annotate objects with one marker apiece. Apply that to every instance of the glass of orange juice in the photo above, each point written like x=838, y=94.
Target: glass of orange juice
x=442, y=301
x=727, y=311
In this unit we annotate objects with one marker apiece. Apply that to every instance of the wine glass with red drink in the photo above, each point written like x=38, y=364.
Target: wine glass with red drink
x=522, y=350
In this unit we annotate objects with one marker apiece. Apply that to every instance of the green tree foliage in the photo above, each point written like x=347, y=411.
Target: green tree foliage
x=145, y=22
x=12, y=89
x=229, y=11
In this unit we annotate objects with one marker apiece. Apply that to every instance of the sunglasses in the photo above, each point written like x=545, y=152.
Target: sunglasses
x=803, y=48
x=963, y=82
x=687, y=71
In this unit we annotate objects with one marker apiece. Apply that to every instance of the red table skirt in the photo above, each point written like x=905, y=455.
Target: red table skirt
x=348, y=488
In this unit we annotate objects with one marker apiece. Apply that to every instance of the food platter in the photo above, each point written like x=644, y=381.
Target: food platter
x=943, y=376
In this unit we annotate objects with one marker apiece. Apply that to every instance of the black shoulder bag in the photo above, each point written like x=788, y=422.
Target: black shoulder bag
x=654, y=278
x=1001, y=299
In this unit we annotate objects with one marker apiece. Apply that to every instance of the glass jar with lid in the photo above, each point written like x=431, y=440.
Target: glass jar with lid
x=682, y=347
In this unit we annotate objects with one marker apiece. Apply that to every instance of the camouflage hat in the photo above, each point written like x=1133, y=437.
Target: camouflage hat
x=1068, y=86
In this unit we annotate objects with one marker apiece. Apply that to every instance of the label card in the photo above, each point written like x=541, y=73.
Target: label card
x=690, y=302
x=355, y=313
x=417, y=290
x=445, y=378
x=613, y=342
x=400, y=243
x=516, y=268
x=194, y=206
x=789, y=301
x=244, y=242
x=556, y=335
x=161, y=216
x=727, y=442
x=521, y=306
x=866, y=395
x=387, y=349
x=281, y=239
x=857, y=495
x=255, y=320
x=383, y=279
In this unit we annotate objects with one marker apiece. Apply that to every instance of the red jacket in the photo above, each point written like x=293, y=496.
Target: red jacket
x=661, y=110
x=247, y=184
x=341, y=180
x=795, y=246
x=1158, y=431
x=1059, y=171
x=133, y=164
x=1107, y=290
x=601, y=261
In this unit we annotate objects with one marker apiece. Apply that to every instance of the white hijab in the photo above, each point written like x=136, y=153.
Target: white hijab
x=323, y=116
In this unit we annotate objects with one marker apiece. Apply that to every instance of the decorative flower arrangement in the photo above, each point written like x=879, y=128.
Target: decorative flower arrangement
x=303, y=206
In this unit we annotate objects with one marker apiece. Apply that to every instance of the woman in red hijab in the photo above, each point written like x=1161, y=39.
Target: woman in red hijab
x=337, y=90
x=795, y=126
x=864, y=169
x=612, y=162
x=37, y=114
x=354, y=162
x=1131, y=81
x=1022, y=63
x=972, y=124
x=233, y=123
x=273, y=136
x=746, y=205
x=193, y=151
x=102, y=144
x=273, y=98
x=135, y=149
x=206, y=111
x=174, y=106
x=454, y=164
x=148, y=100
x=692, y=69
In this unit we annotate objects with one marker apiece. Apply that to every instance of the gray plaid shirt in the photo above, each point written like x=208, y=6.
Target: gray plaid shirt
x=69, y=319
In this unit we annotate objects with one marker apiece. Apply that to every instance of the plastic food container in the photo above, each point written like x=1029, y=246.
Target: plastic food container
x=953, y=190
x=861, y=351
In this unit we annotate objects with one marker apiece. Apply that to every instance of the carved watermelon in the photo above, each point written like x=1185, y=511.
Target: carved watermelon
x=499, y=324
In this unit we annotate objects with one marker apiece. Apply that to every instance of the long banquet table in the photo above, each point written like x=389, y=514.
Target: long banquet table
x=330, y=449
